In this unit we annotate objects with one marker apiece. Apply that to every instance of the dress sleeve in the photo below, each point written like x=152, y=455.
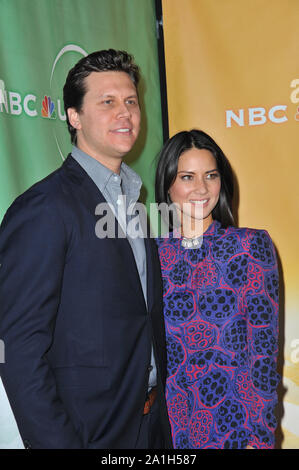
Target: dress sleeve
x=261, y=303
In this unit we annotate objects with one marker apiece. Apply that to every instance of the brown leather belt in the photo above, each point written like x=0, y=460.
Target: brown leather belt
x=150, y=401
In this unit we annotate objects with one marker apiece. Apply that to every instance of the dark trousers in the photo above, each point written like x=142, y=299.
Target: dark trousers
x=150, y=433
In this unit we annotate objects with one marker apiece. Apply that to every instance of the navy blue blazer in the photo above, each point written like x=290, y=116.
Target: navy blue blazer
x=75, y=325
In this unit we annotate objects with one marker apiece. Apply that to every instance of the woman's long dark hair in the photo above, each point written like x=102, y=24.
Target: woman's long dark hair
x=168, y=166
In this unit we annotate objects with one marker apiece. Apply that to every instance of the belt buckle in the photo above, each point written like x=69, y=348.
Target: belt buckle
x=150, y=401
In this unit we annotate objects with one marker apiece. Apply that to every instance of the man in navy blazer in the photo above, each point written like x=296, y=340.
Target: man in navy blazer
x=81, y=315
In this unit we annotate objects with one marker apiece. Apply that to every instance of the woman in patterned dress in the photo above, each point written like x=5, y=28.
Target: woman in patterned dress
x=220, y=305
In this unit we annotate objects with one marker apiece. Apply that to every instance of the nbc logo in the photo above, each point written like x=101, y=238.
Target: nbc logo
x=260, y=115
x=12, y=102
x=48, y=108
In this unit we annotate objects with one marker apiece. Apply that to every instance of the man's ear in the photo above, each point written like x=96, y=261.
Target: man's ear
x=74, y=118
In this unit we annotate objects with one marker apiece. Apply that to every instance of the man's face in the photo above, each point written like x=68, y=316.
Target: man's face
x=109, y=121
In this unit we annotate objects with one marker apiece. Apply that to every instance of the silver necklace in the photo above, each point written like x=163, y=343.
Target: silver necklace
x=191, y=242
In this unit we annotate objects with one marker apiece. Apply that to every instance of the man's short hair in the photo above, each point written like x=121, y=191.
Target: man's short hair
x=100, y=61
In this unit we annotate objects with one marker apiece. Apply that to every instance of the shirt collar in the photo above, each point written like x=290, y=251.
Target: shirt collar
x=101, y=175
x=131, y=182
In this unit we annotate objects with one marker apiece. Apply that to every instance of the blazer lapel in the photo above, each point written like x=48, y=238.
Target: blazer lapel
x=91, y=196
x=149, y=272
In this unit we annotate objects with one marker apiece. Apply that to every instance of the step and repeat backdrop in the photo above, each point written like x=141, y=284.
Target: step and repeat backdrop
x=40, y=40
x=232, y=70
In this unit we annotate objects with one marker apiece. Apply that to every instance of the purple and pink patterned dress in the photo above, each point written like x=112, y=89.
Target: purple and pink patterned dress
x=221, y=317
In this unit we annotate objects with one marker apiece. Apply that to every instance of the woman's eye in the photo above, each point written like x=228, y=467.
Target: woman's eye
x=212, y=176
x=186, y=177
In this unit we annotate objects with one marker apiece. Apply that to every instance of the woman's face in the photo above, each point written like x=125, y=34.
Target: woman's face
x=196, y=188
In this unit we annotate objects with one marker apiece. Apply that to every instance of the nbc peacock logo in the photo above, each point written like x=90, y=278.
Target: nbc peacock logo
x=48, y=108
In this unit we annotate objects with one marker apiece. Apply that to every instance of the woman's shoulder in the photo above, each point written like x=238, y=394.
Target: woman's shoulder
x=243, y=232
x=251, y=241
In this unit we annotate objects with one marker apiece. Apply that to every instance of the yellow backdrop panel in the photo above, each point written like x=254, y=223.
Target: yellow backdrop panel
x=232, y=70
